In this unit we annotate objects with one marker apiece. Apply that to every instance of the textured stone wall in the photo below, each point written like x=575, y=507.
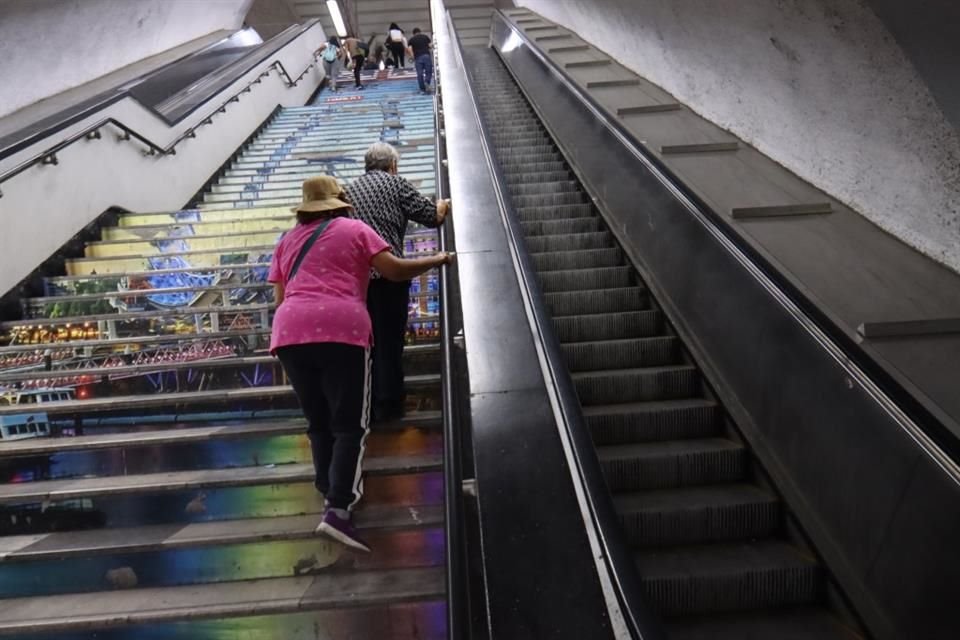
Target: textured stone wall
x=821, y=86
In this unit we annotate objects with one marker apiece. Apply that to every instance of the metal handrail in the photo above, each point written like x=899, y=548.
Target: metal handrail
x=92, y=132
x=457, y=606
x=641, y=623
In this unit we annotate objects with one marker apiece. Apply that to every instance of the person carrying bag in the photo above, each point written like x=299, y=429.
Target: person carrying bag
x=322, y=335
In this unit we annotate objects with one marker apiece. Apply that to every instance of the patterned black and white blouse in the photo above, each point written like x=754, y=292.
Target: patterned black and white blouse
x=387, y=202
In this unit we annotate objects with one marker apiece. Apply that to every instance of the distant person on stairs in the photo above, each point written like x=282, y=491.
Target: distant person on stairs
x=396, y=44
x=356, y=54
x=331, y=54
x=321, y=334
x=387, y=202
x=422, y=59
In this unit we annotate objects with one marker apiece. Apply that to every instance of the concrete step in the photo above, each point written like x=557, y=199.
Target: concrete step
x=181, y=451
x=61, y=545
x=89, y=611
x=224, y=562
x=153, y=483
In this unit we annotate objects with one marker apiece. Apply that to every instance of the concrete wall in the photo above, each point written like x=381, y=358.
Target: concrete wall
x=270, y=17
x=48, y=46
x=928, y=32
x=45, y=206
x=819, y=85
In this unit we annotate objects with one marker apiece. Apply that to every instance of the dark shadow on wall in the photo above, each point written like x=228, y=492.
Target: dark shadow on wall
x=270, y=17
x=929, y=33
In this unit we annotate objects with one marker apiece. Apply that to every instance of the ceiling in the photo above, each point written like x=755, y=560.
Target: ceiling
x=369, y=17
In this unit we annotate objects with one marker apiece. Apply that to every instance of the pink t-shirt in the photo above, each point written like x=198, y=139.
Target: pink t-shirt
x=327, y=300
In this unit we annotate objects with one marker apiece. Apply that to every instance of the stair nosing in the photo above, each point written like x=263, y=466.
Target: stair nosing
x=164, y=482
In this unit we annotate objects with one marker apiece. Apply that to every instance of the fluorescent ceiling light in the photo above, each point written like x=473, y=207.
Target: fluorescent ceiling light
x=334, y=8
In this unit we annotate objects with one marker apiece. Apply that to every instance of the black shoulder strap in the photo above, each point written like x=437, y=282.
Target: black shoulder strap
x=307, y=246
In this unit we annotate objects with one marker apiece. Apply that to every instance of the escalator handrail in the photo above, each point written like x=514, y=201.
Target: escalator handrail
x=642, y=624
x=92, y=132
x=19, y=140
x=926, y=425
x=223, y=77
x=456, y=575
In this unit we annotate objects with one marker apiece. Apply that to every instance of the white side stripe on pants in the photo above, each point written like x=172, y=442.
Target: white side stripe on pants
x=365, y=425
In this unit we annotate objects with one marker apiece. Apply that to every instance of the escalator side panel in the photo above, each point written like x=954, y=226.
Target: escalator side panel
x=844, y=462
x=540, y=578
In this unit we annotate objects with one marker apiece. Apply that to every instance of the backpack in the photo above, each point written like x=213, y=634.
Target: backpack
x=330, y=53
x=364, y=48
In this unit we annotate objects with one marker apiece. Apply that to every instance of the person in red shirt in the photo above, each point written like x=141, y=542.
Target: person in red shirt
x=322, y=335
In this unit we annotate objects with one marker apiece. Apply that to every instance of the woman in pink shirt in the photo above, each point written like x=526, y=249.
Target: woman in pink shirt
x=321, y=334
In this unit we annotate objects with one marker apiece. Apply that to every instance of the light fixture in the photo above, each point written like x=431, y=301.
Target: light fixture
x=334, y=8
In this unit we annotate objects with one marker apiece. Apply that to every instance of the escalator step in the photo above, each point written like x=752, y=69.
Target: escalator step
x=507, y=150
x=542, y=188
x=588, y=259
x=535, y=214
x=621, y=354
x=570, y=303
x=728, y=577
x=507, y=118
x=587, y=279
x=671, y=464
x=527, y=159
x=570, y=242
x=518, y=139
x=794, y=623
x=607, y=326
x=520, y=126
x=652, y=421
x=542, y=176
x=562, y=226
x=637, y=385
x=525, y=121
x=534, y=137
x=551, y=164
x=696, y=515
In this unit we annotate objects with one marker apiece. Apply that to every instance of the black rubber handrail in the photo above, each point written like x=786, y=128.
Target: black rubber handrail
x=19, y=140
x=641, y=622
x=926, y=422
x=456, y=573
x=222, y=77
x=93, y=131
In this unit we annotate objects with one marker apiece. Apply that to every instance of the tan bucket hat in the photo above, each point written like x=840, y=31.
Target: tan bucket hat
x=322, y=193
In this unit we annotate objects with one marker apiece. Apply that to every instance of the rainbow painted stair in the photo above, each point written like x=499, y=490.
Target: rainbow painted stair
x=177, y=500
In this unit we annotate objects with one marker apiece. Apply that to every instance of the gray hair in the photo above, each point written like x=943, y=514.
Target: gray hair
x=380, y=157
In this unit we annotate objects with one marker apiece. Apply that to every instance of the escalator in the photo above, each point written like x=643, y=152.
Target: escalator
x=714, y=546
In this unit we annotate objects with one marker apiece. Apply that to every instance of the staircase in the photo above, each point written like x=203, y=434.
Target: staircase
x=710, y=536
x=178, y=501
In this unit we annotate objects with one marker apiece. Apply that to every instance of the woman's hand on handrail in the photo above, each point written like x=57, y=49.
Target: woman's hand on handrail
x=400, y=269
